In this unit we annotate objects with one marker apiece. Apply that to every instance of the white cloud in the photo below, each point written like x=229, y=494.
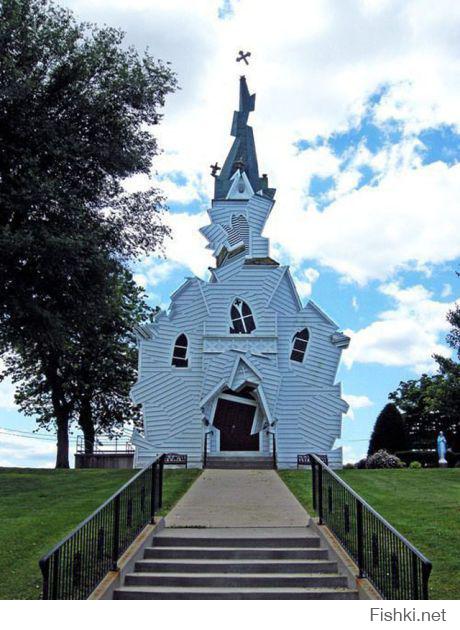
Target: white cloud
x=407, y=335
x=356, y=402
x=446, y=290
x=355, y=303
x=352, y=454
x=307, y=87
x=187, y=245
x=304, y=279
x=407, y=221
x=140, y=279
x=22, y=451
x=6, y=392
x=157, y=270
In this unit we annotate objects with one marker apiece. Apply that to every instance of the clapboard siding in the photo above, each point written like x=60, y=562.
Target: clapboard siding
x=300, y=402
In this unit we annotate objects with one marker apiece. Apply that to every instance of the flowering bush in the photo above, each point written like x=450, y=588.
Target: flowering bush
x=382, y=459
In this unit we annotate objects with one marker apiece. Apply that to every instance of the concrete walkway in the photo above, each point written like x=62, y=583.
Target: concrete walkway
x=238, y=498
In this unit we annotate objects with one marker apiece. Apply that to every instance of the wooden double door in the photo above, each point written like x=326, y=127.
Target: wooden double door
x=234, y=420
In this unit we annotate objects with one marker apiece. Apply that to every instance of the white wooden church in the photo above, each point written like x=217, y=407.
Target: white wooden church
x=238, y=358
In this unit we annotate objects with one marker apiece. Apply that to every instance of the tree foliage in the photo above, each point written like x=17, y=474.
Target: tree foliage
x=389, y=432
x=431, y=403
x=76, y=109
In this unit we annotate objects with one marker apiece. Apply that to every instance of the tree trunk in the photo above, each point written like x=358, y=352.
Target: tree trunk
x=62, y=455
x=85, y=420
x=62, y=410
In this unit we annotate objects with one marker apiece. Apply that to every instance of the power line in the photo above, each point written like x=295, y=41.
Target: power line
x=30, y=435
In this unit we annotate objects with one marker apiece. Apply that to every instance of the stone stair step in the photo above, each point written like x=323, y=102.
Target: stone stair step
x=139, y=592
x=215, y=542
x=236, y=566
x=247, y=463
x=233, y=580
x=233, y=553
x=236, y=563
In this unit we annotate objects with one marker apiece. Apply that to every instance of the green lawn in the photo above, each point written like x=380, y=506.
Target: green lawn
x=423, y=505
x=38, y=507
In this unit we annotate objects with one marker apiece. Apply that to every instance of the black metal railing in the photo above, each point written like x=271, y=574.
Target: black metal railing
x=390, y=562
x=105, y=446
x=275, y=463
x=76, y=565
x=205, y=449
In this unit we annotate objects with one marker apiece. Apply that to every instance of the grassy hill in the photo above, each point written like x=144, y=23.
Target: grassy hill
x=39, y=507
x=423, y=505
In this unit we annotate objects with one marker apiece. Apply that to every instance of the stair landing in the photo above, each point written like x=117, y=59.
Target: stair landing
x=238, y=498
x=240, y=462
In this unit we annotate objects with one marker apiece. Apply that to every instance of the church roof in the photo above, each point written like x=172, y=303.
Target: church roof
x=242, y=156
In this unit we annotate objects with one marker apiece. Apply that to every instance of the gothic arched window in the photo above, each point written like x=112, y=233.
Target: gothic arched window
x=180, y=352
x=242, y=318
x=299, y=345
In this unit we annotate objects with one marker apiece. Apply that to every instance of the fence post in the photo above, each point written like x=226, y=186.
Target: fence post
x=45, y=569
x=360, y=537
x=275, y=466
x=313, y=484
x=160, y=481
x=152, y=493
x=320, y=493
x=55, y=579
x=116, y=532
x=426, y=570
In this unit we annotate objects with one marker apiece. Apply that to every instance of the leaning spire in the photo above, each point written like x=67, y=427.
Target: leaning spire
x=242, y=157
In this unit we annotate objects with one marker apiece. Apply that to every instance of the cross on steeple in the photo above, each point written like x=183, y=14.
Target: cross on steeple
x=243, y=57
x=214, y=169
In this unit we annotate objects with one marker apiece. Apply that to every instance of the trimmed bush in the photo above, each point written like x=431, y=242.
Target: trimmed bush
x=427, y=458
x=389, y=432
x=348, y=466
x=415, y=465
x=382, y=459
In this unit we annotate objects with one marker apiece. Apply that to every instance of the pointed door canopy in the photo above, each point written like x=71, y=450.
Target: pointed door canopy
x=243, y=373
x=242, y=156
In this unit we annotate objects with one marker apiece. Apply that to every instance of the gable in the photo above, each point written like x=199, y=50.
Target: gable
x=284, y=298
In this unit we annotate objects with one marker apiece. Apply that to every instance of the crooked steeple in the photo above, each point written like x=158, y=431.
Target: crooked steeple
x=240, y=167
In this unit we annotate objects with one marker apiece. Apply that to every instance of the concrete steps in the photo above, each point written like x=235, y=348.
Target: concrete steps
x=137, y=592
x=240, y=462
x=235, y=563
x=237, y=566
x=236, y=553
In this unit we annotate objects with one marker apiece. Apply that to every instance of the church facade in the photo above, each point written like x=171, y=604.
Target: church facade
x=238, y=358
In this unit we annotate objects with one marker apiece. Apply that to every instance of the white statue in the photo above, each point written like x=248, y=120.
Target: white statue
x=442, y=449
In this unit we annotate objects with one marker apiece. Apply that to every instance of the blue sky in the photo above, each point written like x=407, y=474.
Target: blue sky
x=357, y=125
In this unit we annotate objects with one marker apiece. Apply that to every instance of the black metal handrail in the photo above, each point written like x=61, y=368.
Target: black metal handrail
x=107, y=447
x=275, y=463
x=205, y=449
x=390, y=562
x=77, y=564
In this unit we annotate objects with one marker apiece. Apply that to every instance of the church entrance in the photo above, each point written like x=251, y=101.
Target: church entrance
x=234, y=421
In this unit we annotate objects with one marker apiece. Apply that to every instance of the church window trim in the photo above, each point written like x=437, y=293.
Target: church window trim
x=180, y=354
x=242, y=320
x=299, y=345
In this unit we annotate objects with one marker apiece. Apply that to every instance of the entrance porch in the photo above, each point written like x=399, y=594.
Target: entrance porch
x=237, y=437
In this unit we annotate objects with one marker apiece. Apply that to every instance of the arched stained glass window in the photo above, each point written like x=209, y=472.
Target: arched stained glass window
x=299, y=345
x=242, y=318
x=180, y=352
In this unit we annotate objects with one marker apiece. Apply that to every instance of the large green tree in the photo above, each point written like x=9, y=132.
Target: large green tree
x=389, y=431
x=76, y=109
x=429, y=405
x=432, y=403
